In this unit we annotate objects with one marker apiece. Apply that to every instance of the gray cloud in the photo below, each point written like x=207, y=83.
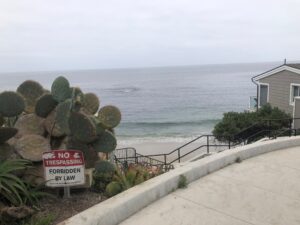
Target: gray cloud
x=53, y=35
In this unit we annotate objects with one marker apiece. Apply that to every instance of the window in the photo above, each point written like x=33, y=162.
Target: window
x=263, y=94
x=295, y=92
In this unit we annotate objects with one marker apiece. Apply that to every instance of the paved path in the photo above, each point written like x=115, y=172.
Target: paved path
x=262, y=190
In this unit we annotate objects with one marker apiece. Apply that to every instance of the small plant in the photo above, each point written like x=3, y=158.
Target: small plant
x=113, y=188
x=103, y=175
x=12, y=188
x=35, y=193
x=45, y=220
x=123, y=180
x=182, y=182
x=238, y=160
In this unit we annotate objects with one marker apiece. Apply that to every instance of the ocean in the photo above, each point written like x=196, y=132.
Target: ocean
x=163, y=103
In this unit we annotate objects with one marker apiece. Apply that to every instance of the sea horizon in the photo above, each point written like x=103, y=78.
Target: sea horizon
x=147, y=67
x=161, y=104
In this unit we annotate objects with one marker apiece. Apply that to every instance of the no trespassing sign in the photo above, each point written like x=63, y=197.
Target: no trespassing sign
x=63, y=168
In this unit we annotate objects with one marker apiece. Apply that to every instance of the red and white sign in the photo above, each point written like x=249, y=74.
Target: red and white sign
x=63, y=168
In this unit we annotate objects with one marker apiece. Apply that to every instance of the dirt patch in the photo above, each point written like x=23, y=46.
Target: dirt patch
x=62, y=208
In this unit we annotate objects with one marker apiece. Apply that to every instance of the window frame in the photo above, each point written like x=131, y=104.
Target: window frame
x=268, y=93
x=292, y=102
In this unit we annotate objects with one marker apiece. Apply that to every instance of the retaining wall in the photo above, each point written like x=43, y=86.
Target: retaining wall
x=125, y=204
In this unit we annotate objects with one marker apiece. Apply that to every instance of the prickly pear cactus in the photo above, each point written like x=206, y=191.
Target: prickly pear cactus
x=11, y=104
x=82, y=127
x=60, y=89
x=44, y=105
x=63, y=112
x=91, y=103
x=52, y=127
x=102, y=166
x=109, y=116
x=105, y=143
x=99, y=127
x=34, y=120
x=31, y=91
x=90, y=157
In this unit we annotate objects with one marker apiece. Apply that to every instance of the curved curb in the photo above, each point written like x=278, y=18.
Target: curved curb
x=125, y=204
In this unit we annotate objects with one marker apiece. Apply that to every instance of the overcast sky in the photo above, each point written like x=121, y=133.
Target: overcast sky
x=90, y=34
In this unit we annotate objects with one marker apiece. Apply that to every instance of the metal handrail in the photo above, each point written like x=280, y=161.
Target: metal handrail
x=232, y=142
x=139, y=158
x=190, y=142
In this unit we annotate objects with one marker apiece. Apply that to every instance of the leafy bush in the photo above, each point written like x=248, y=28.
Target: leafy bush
x=237, y=126
x=12, y=188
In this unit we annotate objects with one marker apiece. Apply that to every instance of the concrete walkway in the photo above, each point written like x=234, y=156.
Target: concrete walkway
x=261, y=190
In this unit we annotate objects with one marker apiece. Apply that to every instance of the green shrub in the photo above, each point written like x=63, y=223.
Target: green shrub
x=101, y=180
x=182, y=182
x=15, y=191
x=35, y=193
x=12, y=189
x=236, y=126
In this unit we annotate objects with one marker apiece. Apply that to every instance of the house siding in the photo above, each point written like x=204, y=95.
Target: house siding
x=279, y=89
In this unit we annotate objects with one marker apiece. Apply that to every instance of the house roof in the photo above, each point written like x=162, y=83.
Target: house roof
x=292, y=67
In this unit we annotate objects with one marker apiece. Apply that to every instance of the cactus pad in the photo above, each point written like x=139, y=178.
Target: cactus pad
x=51, y=126
x=91, y=103
x=109, y=116
x=11, y=104
x=60, y=89
x=31, y=91
x=30, y=124
x=105, y=143
x=99, y=128
x=6, y=133
x=90, y=157
x=77, y=98
x=32, y=147
x=82, y=128
x=63, y=111
x=73, y=143
x=103, y=166
x=44, y=105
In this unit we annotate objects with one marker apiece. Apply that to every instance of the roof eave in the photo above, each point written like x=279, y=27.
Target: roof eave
x=275, y=70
